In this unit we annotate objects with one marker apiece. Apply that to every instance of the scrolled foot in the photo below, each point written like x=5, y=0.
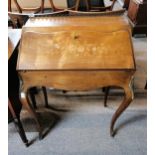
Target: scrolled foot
x=27, y=144
x=112, y=133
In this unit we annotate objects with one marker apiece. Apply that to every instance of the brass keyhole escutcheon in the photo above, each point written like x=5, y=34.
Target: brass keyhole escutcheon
x=75, y=35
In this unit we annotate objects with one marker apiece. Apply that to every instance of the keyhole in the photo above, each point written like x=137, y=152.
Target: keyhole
x=76, y=37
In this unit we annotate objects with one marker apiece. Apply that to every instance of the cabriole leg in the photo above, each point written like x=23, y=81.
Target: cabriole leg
x=28, y=106
x=127, y=100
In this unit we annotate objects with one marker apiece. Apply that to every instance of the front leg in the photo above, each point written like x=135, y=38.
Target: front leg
x=25, y=102
x=127, y=100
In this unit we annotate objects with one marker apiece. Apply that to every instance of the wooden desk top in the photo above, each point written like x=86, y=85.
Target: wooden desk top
x=101, y=23
x=75, y=43
x=77, y=21
x=14, y=36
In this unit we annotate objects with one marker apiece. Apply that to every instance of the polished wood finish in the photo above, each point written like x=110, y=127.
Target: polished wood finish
x=80, y=45
x=101, y=13
x=78, y=54
x=76, y=23
x=137, y=14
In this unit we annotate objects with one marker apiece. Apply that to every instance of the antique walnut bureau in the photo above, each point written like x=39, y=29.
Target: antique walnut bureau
x=76, y=54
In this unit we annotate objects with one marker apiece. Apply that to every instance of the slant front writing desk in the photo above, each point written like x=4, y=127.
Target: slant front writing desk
x=76, y=53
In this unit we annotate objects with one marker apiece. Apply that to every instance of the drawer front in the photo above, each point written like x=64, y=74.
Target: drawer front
x=75, y=80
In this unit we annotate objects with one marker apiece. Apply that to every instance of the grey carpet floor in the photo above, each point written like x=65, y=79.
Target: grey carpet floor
x=84, y=128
